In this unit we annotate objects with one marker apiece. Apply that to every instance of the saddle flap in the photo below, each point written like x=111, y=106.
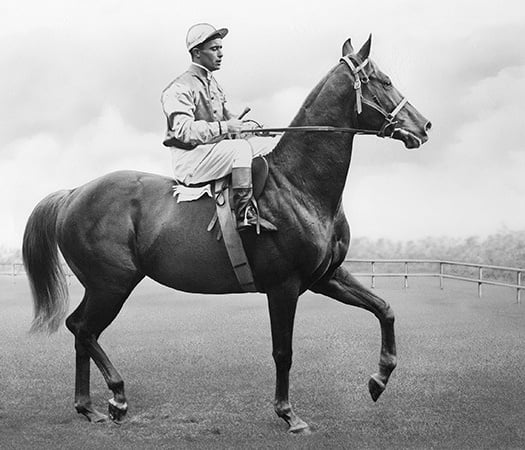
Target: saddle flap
x=259, y=175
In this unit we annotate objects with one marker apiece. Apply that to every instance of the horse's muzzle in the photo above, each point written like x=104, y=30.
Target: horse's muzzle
x=410, y=139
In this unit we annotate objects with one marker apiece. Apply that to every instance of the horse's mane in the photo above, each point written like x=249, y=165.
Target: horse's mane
x=284, y=151
x=299, y=118
x=311, y=99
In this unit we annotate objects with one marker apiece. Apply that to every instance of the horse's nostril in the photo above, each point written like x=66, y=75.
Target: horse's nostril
x=428, y=126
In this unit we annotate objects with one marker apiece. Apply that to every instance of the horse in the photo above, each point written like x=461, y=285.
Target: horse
x=117, y=229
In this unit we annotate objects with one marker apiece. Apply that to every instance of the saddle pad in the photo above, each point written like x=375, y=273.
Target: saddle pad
x=188, y=194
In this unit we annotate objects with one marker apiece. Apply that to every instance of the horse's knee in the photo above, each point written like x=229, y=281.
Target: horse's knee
x=385, y=313
x=282, y=358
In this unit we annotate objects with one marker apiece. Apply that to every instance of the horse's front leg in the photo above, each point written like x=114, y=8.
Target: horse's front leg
x=282, y=306
x=345, y=288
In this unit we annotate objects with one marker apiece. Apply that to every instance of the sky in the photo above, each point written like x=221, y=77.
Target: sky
x=80, y=86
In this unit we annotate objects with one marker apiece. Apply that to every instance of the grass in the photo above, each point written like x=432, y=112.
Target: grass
x=199, y=372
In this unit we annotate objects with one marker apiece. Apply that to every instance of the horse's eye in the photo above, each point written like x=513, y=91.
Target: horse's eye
x=387, y=83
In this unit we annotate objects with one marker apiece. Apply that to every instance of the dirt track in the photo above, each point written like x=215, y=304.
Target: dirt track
x=199, y=373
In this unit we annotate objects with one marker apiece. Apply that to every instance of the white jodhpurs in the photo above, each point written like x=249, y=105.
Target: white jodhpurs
x=212, y=161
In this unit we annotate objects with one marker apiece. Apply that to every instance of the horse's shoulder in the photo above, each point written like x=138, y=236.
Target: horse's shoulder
x=341, y=222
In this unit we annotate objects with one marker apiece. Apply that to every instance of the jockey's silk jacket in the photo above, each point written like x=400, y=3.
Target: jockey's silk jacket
x=195, y=108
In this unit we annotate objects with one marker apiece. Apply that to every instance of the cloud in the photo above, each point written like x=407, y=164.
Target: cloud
x=81, y=85
x=44, y=163
x=401, y=203
x=57, y=82
x=495, y=129
x=275, y=110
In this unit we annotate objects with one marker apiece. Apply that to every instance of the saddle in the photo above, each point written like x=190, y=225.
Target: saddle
x=259, y=176
x=227, y=230
x=222, y=187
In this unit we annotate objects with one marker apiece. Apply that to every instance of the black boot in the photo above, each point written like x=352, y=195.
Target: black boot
x=244, y=205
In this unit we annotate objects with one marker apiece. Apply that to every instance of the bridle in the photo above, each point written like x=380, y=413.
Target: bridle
x=389, y=121
x=389, y=117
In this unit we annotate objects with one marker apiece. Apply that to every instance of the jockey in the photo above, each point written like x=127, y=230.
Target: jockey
x=200, y=127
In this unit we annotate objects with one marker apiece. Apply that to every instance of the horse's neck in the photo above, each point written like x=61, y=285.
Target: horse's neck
x=315, y=164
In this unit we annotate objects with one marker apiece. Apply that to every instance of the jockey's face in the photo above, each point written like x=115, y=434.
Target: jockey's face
x=210, y=54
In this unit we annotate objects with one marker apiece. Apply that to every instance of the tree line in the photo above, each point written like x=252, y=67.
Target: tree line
x=505, y=248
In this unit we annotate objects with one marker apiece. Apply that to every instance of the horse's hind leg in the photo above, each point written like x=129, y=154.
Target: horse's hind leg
x=95, y=313
x=83, y=403
x=345, y=288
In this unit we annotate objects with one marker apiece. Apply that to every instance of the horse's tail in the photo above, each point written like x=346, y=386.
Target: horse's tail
x=43, y=265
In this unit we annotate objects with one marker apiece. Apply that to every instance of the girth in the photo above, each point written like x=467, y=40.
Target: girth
x=230, y=236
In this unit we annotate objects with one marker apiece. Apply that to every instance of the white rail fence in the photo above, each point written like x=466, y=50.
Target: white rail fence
x=17, y=269
x=443, y=270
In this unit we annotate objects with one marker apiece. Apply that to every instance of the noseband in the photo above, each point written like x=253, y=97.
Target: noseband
x=389, y=117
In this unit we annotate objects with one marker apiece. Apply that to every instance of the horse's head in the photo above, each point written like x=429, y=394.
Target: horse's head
x=379, y=105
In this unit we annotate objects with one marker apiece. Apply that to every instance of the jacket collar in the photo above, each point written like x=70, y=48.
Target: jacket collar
x=200, y=71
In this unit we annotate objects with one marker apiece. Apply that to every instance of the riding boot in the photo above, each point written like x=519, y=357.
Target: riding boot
x=244, y=205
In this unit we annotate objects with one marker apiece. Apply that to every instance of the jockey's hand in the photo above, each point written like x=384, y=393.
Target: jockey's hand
x=248, y=125
x=234, y=126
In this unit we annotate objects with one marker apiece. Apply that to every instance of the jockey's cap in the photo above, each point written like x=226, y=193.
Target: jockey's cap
x=201, y=32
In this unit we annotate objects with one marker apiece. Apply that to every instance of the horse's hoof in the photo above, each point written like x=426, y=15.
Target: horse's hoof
x=91, y=414
x=95, y=416
x=116, y=410
x=98, y=417
x=375, y=387
x=300, y=428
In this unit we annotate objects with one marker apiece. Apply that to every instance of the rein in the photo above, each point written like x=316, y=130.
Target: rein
x=319, y=128
x=360, y=99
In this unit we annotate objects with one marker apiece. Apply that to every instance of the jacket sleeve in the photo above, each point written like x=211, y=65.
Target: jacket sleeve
x=179, y=107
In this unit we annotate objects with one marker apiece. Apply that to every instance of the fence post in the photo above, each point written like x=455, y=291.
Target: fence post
x=518, y=289
x=480, y=277
x=441, y=275
x=373, y=285
x=406, y=274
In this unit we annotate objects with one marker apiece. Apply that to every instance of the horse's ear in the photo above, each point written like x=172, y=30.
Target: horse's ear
x=365, y=49
x=347, y=47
